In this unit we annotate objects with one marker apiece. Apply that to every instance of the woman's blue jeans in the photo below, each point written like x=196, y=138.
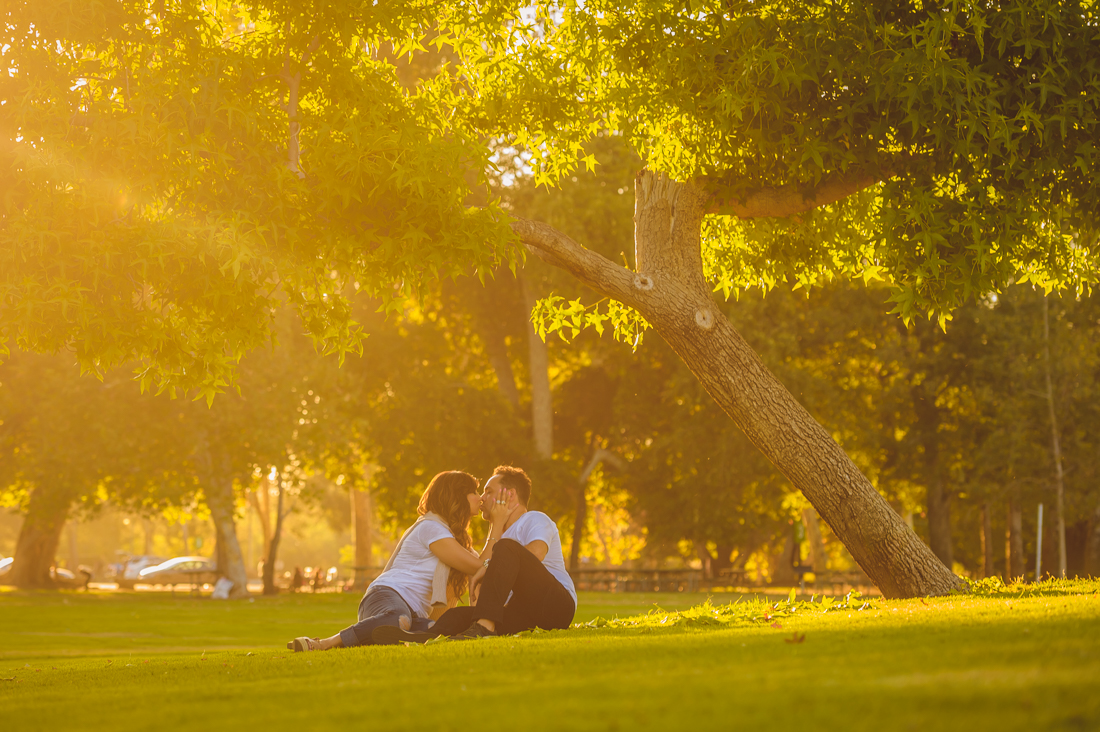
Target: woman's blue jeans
x=379, y=606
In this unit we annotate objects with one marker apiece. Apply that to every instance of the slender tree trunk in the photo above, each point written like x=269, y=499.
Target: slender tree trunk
x=542, y=409
x=261, y=503
x=148, y=529
x=670, y=292
x=1014, y=541
x=39, y=538
x=219, y=499
x=722, y=560
x=492, y=329
x=987, y=541
x=580, y=519
x=1059, y=478
x=364, y=534
x=74, y=555
x=937, y=500
x=782, y=569
x=270, y=588
x=1092, y=545
x=817, y=544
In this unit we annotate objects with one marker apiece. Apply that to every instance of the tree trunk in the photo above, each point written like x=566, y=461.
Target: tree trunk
x=493, y=331
x=219, y=498
x=1056, y=452
x=270, y=588
x=937, y=500
x=1014, y=541
x=670, y=292
x=1092, y=545
x=364, y=535
x=722, y=560
x=987, y=541
x=580, y=519
x=147, y=530
x=260, y=500
x=39, y=537
x=542, y=409
x=782, y=569
x=817, y=544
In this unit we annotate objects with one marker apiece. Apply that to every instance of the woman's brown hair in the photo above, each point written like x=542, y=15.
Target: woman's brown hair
x=446, y=496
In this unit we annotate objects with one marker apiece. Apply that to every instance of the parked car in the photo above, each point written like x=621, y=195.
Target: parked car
x=130, y=573
x=61, y=576
x=180, y=571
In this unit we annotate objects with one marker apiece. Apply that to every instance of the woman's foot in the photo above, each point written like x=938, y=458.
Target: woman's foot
x=304, y=643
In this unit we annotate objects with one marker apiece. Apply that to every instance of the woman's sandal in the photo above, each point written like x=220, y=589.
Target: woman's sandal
x=304, y=644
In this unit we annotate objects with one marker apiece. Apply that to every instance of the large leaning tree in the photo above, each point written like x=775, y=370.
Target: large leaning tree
x=949, y=148
x=170, y=169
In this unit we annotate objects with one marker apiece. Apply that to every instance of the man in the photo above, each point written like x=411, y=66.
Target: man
x=522, y=585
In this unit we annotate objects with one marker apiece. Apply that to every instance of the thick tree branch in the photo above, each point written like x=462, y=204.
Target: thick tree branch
x=784, y=201
x=594, y=270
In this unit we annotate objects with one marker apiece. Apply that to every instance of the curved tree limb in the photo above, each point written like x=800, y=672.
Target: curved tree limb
x=784, y=201
x=591, y=268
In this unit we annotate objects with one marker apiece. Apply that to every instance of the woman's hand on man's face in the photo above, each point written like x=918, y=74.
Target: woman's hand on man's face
x=503, y=506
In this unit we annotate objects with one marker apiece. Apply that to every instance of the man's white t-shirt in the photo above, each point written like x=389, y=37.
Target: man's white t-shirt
x=414, y=567
x=537, y=526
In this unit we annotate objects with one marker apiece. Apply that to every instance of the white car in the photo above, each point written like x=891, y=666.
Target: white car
x=180, y=571
x=131, y=571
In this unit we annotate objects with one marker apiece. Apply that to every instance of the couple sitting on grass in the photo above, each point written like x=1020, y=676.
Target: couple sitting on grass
x=518, y=582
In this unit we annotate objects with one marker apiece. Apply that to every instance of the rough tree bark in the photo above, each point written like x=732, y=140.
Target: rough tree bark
x=669, y=290
x=39, y=538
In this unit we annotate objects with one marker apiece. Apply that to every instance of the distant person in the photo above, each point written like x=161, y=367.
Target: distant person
x=427, y=572
x=318, y=579
x=298, y=581
x=522, y=584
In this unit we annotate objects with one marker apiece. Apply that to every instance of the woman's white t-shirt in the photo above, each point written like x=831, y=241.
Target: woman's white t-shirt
x=414, y=566
x=537, y=526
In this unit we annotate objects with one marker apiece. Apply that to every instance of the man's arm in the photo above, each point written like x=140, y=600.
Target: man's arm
x=539, y=548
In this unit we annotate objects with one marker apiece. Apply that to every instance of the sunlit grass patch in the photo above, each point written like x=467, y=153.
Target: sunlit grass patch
x=1020, y=657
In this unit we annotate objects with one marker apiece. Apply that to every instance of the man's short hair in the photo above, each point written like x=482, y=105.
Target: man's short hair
x=517, y=480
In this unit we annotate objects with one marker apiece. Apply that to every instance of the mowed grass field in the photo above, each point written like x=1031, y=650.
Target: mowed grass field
x=1024, y=658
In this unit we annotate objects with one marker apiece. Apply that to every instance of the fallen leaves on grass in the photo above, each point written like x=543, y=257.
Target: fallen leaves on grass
x=795, y=638
x=777, y=625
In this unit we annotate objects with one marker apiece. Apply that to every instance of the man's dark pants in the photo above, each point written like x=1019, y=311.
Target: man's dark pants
x=538, y=599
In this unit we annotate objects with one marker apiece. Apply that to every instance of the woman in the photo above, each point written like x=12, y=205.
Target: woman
x=427, y=572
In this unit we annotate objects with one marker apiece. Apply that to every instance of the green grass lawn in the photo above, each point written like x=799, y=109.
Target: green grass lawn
x=1025, y=658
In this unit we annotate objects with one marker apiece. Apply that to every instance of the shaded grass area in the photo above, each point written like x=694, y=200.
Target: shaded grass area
x=1016, y=659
